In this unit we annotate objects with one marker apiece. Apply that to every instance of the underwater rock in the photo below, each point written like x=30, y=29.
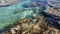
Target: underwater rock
x=53, y=11
x=31, y=26
x=53, y=3
x=6, y=2
x=33, y=17
x=12, y=13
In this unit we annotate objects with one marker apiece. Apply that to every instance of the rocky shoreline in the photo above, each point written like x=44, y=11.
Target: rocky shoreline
x=35, y=25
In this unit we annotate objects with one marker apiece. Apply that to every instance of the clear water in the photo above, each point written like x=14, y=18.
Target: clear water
x=10, y=14
x=23, y=8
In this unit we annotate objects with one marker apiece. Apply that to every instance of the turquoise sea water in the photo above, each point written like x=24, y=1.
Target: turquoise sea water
x=23, y=8
x=10, y=14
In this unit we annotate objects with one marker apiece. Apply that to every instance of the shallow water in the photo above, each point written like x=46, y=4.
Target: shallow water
x=23, y=8
x=12, y=13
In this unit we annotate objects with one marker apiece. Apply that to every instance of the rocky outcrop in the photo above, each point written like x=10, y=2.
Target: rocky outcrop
x=31, y=26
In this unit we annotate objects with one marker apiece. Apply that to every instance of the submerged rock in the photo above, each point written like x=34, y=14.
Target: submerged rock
x=6, y=2
x=12, y=13
x=54, y=3
x=34, y=25
x=53, y=11
x=38, y=17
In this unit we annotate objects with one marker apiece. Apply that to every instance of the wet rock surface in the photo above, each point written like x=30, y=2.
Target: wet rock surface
x=31, y=26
